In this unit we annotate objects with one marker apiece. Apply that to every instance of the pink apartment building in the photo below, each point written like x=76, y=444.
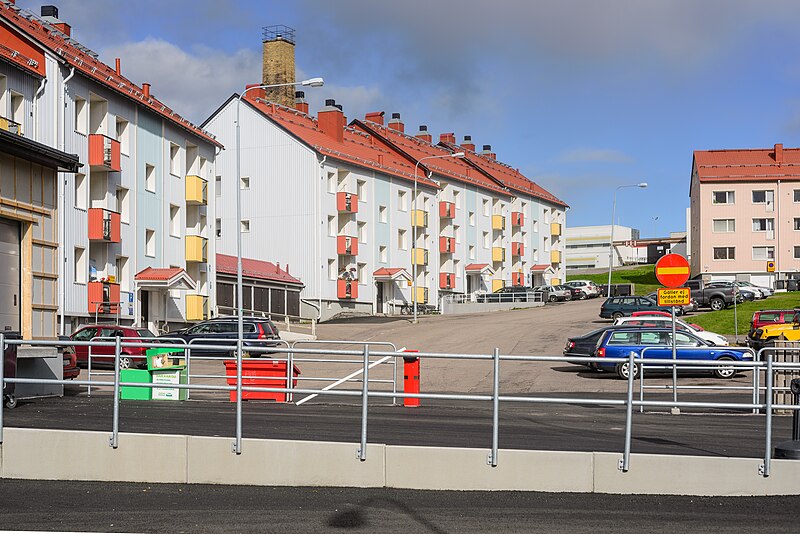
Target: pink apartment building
x=745, y=214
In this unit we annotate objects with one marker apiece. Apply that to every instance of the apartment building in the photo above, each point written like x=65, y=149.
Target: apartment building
x=745, y=214
x=133, y=221
x=336, y=201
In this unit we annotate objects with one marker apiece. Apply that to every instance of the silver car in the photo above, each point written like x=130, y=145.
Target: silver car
x=555, y=293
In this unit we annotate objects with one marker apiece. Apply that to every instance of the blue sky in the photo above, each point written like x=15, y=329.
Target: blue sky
x=580, y=95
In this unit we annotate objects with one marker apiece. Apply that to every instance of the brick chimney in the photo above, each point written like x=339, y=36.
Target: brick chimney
x=468, y=144
x=278, y=63
x=331, y=121
x=423, y=133
x=255, y=93
x=778, y=152
x=375, y=116
x=117, y=67
x=447, y=138
x=300, y=103
x=487, y=151
x=396, y=123
x=50, y=15
x=146, y=90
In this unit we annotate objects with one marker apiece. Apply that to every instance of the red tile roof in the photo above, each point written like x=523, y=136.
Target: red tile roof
x=357, y=147
x=151, y=273
x=263, y=270
x=387, y=271
x=474, y=267
x=76, y=56
x=748, y=165
x=541, y=267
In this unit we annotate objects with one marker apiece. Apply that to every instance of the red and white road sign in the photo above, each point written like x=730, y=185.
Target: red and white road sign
x=672, y=270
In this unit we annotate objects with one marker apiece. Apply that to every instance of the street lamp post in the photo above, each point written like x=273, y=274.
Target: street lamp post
x=642, y=185
x=414, y=226
x=311, y=82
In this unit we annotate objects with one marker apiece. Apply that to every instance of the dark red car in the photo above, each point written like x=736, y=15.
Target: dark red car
x=130, y=356
x=765, y=317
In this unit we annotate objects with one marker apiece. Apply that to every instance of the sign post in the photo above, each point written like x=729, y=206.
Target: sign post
x=672, y=270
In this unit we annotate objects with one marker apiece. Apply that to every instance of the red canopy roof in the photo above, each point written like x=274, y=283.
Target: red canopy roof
x=541, y=267
x=263, y=270
x=476, y=267
x=151, y=273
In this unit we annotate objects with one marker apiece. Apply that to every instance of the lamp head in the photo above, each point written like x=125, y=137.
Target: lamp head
x=313, y=82
x=458, y=155
x=643, y=185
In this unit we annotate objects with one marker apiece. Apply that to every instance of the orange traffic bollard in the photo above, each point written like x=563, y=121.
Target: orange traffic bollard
x=411, y=378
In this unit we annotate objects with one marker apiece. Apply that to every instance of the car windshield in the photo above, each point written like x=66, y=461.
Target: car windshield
x=144, y=332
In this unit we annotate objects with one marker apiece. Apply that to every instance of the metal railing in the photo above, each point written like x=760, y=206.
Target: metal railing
x=463, y=298
x=765, y=361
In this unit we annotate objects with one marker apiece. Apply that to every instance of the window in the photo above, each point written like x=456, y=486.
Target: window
x=174, y=159
x=361, y=191
x=360, y=275
x=535, y=226
x=244, y=182
x=724, y=225
x=245, y=225
x=763, y=253
x=79, y=258
x=485, y=239
x=150, y=178
x=331, y=226
x=17, y=108
x=331, y=182
x=402, y=201
x=383, y=214
x=122, y=135
x=81, y=115
x=763, y=225
x=471, y=218
x=546, y=216
x=218, y=186
x=123, y=276
x=485, y=207
x=797, y=252
x=332, y=271
x=457, y=231
x=362, y=233
x=763, y=197
x=174, y=220
x=218, y=228
x=123, y=204
x=472, y=252
x=150, y=243
x=724, y=253
x=401, y=240
x=81, y=199
x=797, y=195
x=797, y=223
x=722, y=197
x=383, y=254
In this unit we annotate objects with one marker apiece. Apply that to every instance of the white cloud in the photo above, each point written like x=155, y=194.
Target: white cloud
x=596, y=155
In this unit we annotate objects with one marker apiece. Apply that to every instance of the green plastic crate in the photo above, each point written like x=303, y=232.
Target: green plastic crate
x=167, y=378
x=135, y=393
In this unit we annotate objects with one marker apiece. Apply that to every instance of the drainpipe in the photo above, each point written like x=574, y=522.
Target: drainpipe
x=317, y=215
x=36, y=97
x=778, y=233
x=62, y=208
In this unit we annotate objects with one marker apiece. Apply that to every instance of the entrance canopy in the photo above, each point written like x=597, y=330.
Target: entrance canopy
x=479, y=268
x=541, y=269
x=391, y=274
x=171, y=278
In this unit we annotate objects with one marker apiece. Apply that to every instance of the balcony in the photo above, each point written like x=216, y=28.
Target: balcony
x=555, y=281
x=10, y=126
x=555, y=229
x=517, y=218
x=555, y=256
x=419, y=256
x=347, y=289
x=346, y=202
x=497, y=285
x=104, y=225
x=447, y=210
x=196, y=249
x=103, y=297
x=447, y=245
x=498, y=254
x=517, y=279
x=196, y=190
x=103, y=153
x=447, y=280
x=419, y=218
x=196, y=308
x=346, y=245
x=498, y=222
x=517, y=248
x=421, y=297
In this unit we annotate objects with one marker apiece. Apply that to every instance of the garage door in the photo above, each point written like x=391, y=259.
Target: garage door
x=9, y=275
x=764, y=280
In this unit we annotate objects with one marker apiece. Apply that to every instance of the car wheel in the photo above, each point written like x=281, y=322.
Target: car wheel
x=125, y=361
x=11, y=402
x=567, y=297
x=617, y=315
x=724, y=372
x=717, y=304
x=553, y=298
x=583, y=296
x=622, y=370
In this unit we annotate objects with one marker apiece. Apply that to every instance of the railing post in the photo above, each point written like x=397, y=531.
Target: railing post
x=2, y=381
x=237, y=444
x=641, y=383
x=289, y=375
x=495, y=407
x=114, y=441
x=756, y=373
x=188, y=352
x=765, y=468
x=362, y=452
x=89, y=371
x=626, y=456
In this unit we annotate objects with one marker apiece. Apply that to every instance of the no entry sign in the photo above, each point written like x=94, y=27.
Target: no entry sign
x=672, y=270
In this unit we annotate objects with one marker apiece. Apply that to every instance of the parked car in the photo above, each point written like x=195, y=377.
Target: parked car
x=257, y=331
x=615, y=307
x=556, y=293
x=746, y=294
x=714, y=297
x=619, y=343
x=129, y=356
x=71, y=369
x=584, y=345
x=765, y=317
x=588, y=288
x=656, y=313
x=666, y=322
x=765, y=291
x=689, y=308
x=511, y=294
x=767, y=335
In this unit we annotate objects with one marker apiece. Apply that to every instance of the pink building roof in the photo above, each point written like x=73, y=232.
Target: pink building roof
x=748, y=165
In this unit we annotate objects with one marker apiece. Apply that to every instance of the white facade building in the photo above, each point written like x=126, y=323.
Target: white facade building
x=587, y=247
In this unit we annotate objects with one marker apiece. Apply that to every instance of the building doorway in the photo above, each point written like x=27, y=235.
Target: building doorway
x=10, y=275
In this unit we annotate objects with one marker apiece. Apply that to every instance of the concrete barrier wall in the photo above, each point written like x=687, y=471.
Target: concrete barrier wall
x=74, y=455
x=449, y=308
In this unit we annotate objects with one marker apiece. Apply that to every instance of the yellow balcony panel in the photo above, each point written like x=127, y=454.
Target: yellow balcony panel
x=196, y=308
x=10, y=126
x=196, y=249
x=419, y=218
x=498, y=222
x=555, y=281
x=421, y=296
x=555, y=256
x=498, y=254
x=497, y=285
x=419, y=256
x=555, y=229
x=196, y=190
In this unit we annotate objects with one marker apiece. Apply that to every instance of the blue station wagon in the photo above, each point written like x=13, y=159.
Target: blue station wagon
x=619, y=343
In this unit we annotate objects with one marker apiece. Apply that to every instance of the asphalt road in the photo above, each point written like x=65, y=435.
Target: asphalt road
x=117, y=507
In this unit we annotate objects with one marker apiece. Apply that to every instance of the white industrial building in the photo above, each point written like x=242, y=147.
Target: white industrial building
x=587, y=247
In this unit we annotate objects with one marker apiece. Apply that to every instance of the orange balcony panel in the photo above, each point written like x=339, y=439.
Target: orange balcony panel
x=447, y=210
x=346, y=245
x=103, y=297
x=517, y=218
x=347, y=202
x=104, y=153
x=447, y=280
x=104, y=225
x=517, y=248
x=447, y=245
x=517, y=279
x=347, y=289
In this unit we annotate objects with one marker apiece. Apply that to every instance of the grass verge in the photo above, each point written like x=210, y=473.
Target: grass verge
x=721, y=321
x=643, y=278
